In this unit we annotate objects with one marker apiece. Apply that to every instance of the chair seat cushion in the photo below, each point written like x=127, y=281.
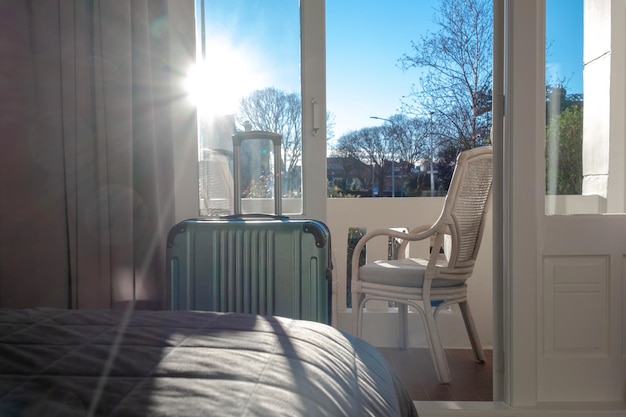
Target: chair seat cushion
x=407, y=272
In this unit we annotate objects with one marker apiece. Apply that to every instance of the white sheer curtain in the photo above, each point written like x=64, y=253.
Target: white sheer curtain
x=92, y=104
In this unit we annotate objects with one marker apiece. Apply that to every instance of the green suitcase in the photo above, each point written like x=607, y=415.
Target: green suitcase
x=258, y=264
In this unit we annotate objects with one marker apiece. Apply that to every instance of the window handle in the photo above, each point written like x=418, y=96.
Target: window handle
x=316, y=116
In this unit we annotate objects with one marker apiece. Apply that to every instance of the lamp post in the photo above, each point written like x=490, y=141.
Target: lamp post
x=432, y=155
x=393, y=165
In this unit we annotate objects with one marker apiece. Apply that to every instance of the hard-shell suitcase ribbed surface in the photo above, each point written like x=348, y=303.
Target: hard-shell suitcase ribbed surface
x=263, y=266
x=250, y=263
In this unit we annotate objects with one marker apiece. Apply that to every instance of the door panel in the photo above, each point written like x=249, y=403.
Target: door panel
x=580, y=309
x=580, y=354
x=563, y=274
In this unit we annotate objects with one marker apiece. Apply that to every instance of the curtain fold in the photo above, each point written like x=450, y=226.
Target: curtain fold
x=107, y=101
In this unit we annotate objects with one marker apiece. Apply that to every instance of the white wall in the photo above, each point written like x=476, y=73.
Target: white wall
x=604, y=125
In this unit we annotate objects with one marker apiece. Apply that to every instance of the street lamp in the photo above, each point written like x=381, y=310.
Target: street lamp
x=432, y=156
x=393, y=165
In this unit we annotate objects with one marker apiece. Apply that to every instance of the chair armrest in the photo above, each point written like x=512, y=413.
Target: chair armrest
x=416, y=234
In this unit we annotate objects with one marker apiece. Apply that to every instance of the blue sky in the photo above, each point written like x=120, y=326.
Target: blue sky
x=364, y=41
x=564, y=35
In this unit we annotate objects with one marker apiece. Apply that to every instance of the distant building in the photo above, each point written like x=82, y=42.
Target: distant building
x=350, y=175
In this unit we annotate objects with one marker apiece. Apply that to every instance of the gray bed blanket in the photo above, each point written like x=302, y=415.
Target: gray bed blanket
x=188, y=363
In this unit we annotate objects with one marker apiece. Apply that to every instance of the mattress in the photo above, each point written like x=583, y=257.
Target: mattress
x=188, y=363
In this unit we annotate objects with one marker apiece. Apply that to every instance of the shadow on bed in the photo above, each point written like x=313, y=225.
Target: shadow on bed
x=163, y=363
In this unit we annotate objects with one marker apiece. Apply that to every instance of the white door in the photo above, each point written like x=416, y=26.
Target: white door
x=563, y=255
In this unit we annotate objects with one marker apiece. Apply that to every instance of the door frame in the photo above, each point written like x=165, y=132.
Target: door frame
x=313, y=78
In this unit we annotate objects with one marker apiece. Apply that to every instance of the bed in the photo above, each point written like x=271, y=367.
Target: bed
x=188, y=363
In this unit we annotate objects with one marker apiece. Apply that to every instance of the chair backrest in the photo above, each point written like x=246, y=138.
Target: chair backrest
x=463, y=214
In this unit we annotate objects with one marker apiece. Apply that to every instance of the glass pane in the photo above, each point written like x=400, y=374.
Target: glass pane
x=398, y=93
x=258, y=176
x=247, y=78
x=583, y=173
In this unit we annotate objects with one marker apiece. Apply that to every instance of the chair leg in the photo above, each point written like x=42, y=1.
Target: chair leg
x=436, y=350
x=472, y=332
x=357, y=314
x=404, y=324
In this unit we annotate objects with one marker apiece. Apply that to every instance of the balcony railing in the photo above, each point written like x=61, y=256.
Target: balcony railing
x=381, y=327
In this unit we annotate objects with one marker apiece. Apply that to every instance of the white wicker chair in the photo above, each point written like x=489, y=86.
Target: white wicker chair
x=432, y=283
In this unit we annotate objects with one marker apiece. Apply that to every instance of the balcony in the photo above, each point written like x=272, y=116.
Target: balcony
x=380, y=325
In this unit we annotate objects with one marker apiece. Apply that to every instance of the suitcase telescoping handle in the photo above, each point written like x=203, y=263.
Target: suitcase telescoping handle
x=257, y=135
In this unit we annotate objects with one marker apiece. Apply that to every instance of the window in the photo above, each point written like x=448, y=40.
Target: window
x=584, y=128
x=406, y=95
x=248, y=77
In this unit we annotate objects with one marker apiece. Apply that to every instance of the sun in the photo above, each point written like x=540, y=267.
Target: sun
x=217, y=83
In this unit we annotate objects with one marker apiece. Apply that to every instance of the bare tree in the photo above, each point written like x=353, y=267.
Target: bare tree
x=276, y=111
x=455, y=87
x=409, y=138
x=369, y=146
x=399, y=143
